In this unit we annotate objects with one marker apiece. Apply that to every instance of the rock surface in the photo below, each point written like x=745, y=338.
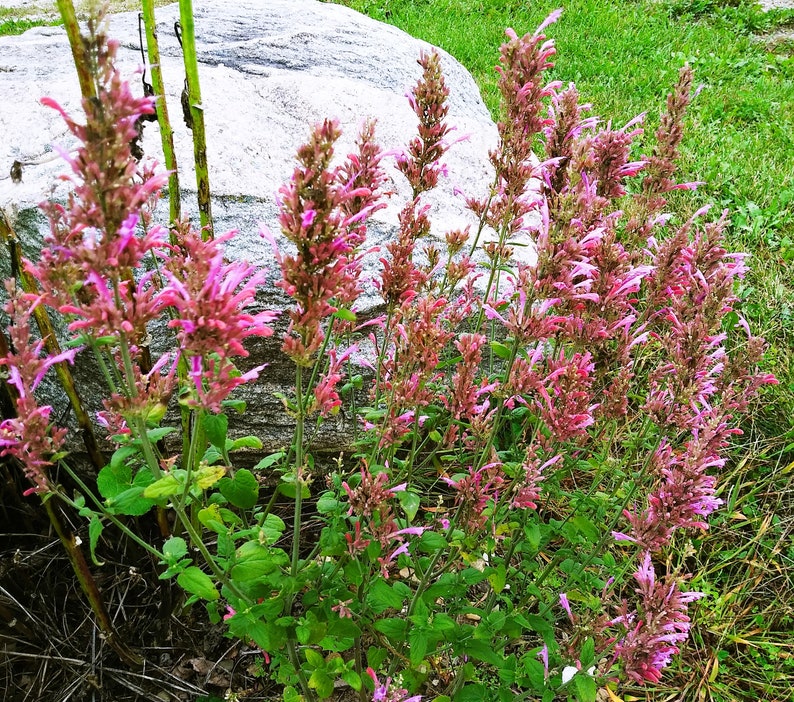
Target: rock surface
x=269, y=69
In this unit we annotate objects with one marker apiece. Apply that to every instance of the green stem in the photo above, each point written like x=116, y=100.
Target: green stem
x=114, y=520
x=198, y=542
x=292, y=651
x=166, y=131
x=296, y=524
x=197, y=113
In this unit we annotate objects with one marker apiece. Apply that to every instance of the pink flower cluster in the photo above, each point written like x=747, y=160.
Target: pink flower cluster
x=653, y=635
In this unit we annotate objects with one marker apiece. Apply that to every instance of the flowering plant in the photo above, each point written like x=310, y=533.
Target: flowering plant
x=531, y=440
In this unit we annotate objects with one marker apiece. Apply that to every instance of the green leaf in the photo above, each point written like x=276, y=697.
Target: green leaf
x=327, y=503
x=237, y=405
x=381, y=596
x=500, y=350
x=475, y=692
x=94, y=532
x=481, y=651
x=120, y=455
x=498, y=578
x=394, y=629
x=314, y=658
x=538, y=624
x=242, y=490
x=245, y=442
x=196, y=582
x=534, y=670
x=211, y=518
x=587, y=656
x=216, y=426
x=175, y=548
x=585, y=527
x=310, y=630
x=352, y=678
x=246, y=626
x=114, y=479
x=410, y=502
x=255, y=560
x=322, y=682
x=419, y=644
x=164, y=487
x=131, y=502
x=268, y=461
x=432, y=541
x=154, y=435
x=290, y=694
x=346, y=315
x=586, y=688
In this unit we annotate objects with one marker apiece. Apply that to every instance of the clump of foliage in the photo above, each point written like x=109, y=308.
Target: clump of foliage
x=532, y=438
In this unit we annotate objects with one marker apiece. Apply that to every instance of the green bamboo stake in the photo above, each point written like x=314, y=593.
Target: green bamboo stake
x=166, y=131
x=188, y=40
x=81, y=61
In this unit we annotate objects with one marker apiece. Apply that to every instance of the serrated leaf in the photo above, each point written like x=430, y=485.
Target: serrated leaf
x=481, y=651
x=322, y=682
x=314, y=658
x=410, y=502
x=244, y=442
x=94, y=532
x=120, y=455
x=418, y=645
x=586, y=688
x=352, y=678
x=206, y=476
x=113, y=480
x=247, y=626
x=346, y=315
x=216, y=427
x=327, y=503
x=255, y=560
x=131, y=502
x=394, y=629
x=500, y=350
x=432, y=541
x=273, y=521
x=587, y=655
x=475, y=692
x=381, y=596
x=242, y=490
x=270, y=460
x=174, y=548
x=498, y=578
x=237, y=405
x=290, y=694
x=164, y=487
x=158, y=433
x=197, y=582
x=211, y=518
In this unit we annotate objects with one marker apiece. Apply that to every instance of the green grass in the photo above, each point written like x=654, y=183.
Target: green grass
x=18, y=26
x=624, y=56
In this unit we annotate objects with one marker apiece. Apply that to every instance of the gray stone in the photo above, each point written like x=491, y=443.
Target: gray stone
x=269, y=69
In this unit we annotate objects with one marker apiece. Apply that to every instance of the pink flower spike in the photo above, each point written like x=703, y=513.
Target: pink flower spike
x=551, y=19
x=543, y=654
x=566, y=606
